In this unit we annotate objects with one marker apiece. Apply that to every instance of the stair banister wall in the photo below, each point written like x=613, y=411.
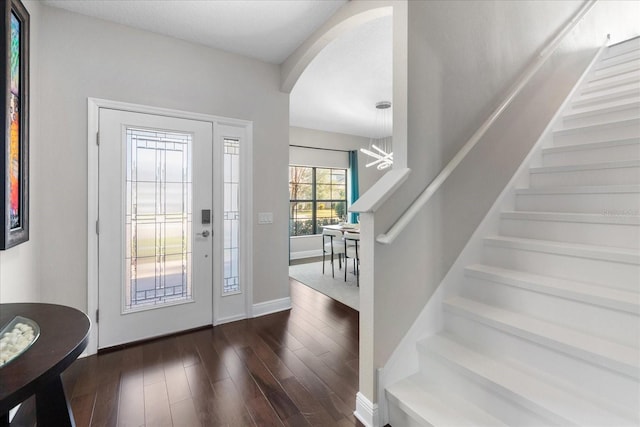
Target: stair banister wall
x=405, y=275
x=403, y=361
x=432, y=188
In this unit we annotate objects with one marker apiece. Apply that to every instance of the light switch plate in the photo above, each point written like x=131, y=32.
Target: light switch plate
x=265, y=217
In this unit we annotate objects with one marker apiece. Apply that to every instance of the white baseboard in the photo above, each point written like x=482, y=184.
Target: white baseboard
x=273, y=306
x=306, y=254
x=366, y=411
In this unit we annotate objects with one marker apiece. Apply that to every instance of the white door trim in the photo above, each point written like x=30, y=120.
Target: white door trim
x=246, y=197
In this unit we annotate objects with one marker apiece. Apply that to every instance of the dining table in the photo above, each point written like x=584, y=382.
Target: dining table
x=346, y=227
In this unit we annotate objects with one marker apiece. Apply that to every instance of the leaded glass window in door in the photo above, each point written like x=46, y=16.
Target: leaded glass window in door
x=158, y=218
x=231, y=284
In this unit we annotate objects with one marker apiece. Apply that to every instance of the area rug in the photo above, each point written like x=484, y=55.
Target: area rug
x=311, y=275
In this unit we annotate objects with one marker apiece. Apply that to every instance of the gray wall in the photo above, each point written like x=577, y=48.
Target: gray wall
x=463, y=58
x=19, y=273
x=81, y=57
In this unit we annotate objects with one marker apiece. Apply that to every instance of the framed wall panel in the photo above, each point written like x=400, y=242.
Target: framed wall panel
x=14, y=113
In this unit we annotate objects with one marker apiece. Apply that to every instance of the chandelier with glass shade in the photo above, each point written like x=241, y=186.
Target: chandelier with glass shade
x=380, y=144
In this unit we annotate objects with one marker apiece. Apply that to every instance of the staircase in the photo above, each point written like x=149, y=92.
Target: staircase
x=546, y=328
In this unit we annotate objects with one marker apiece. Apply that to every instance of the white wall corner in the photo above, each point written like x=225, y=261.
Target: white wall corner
x=366, y=411
x=383, y=403
x=273, y=306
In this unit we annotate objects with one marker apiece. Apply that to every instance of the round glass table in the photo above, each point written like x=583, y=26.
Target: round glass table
x=64, y=333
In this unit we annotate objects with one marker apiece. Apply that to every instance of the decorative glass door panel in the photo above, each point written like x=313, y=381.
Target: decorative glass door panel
x=231, y=282
x=158, y=218
x=232, y=300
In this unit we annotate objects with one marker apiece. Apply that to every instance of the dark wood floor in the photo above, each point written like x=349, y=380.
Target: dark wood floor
x=296, y=368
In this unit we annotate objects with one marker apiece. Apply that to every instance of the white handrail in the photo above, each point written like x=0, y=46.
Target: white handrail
x=423, y=198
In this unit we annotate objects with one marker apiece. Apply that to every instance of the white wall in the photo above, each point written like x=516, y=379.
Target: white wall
x=463, y=57
x=82, y=57
x=19, y=275
x=305, y=246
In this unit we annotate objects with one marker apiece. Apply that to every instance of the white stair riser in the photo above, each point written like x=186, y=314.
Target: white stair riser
x=592, y=100
x=625, y=130
x=610, y=82
x=397, y=417
x=609, y=69
x=426, y=404
x=586, y=156
x=609, y=176
x=609, y=386
x=633, y=55
x=607, y=115
x=606, y=273
x=600, y=203
x=599, y=321
x=457, y=380
x=622, y=48
x=615, y=235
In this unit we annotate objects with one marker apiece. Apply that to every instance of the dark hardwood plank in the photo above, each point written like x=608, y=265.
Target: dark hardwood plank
x=347, y=392
x=325, y=334
x=306, y=336
x=105, y=410
x=270, y=387
x=230, y=405
x=271, y=360
x=184, y=413
x=188, y=350
x=199, y=383
x=293, y=368
x=156, y=405
x=152, y=363
x=108, y=368
x=297, y=420
x=87, y=380
x=206, y=411
x=82, y=407
x=211, y=361
x=340, y=366
x=238, y=372
x=313, y=411
x=280, y=340
x=131, y=399
x=262, y=413
x=318, y=389
x=177, y=383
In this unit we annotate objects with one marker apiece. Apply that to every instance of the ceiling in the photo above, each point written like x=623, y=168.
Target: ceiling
x=338, y=90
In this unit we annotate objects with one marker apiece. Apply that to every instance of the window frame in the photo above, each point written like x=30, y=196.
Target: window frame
x=314, y=201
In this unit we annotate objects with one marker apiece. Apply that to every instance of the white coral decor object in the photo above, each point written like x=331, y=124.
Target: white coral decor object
x=14, y=341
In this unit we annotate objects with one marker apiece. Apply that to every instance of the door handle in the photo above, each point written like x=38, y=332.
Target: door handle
x=205, y=233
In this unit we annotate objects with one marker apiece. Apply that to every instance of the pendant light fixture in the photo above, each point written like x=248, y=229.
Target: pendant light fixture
x=380, y=144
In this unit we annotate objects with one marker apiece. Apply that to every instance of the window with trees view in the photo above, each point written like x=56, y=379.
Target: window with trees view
x=318, y=197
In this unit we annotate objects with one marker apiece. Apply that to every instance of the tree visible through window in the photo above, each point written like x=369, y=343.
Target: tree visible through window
x=318, y=197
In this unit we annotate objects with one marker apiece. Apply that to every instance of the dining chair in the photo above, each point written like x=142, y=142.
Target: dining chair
x=332, y=243
x=352, y=243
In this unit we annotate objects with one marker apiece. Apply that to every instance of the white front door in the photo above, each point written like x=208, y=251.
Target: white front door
x=156, y=217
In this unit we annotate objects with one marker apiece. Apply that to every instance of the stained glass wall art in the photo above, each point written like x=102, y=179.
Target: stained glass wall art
x=14, y=144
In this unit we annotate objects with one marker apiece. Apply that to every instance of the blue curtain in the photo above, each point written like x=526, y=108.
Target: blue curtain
x=353, y=167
